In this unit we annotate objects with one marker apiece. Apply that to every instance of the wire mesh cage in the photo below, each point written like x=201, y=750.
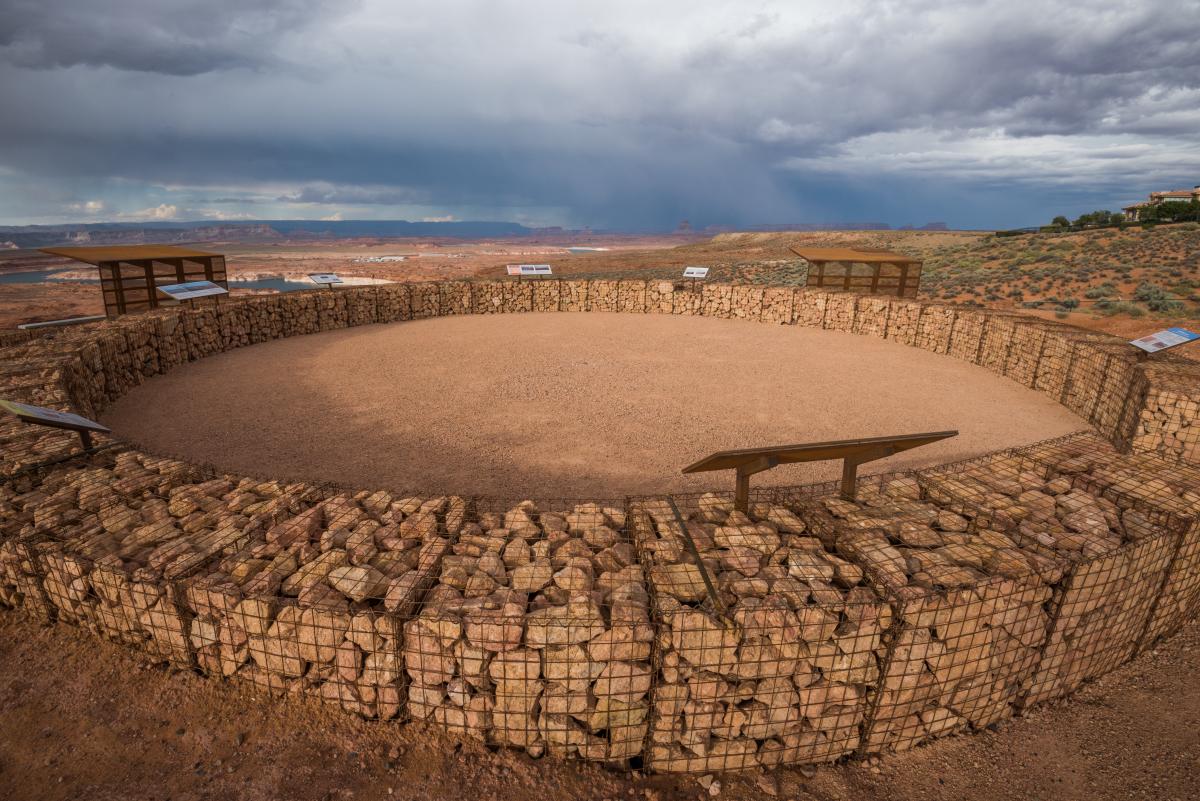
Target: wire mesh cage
x=536, y=633
x=671, y=633
x=969, y=608
x=1114, y=561
x=768, y=641
x=313, y=600
x=1166, y=493
x=106, y=537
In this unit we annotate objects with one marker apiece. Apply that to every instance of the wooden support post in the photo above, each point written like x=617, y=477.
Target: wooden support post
x=741, y=495
x=151, y=283
x=86, y=438
x=119, y=286
x=850, y=468
x=849, y=478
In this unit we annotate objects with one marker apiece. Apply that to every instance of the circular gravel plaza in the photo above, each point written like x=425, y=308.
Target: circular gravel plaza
x=567, y=405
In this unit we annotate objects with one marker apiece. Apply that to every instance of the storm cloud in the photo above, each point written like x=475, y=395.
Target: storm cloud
x=614, y=114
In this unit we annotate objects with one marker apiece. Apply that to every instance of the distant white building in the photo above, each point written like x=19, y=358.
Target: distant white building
x=1132, y=213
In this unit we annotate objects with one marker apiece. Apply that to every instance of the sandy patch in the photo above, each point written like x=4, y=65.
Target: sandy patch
x=563, y=405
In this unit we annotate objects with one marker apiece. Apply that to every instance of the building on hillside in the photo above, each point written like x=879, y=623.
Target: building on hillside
x=1132, y=213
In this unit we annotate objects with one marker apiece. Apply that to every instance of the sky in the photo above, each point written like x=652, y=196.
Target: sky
x=613, y=114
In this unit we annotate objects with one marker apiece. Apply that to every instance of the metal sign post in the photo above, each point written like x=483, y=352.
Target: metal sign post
x=52, y=418
x=695, y=273
x=852, y=452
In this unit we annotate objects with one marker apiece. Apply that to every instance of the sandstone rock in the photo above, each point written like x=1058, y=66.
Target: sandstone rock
x=358, y=583
x=533, y=576
x=682, y=581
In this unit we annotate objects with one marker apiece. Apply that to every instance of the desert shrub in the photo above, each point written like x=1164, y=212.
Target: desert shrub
x=1105, y=290
x=1110, y=308
x=1155, y=298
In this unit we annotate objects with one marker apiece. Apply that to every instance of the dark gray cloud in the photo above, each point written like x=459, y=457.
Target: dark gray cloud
x=172, y=37
x=616, y=113
x=354, y=195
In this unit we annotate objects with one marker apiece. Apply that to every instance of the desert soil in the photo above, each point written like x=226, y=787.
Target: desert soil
x=567, y=405
x=84, y=719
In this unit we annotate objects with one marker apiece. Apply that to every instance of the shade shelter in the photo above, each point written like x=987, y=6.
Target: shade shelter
x=878, y=272
x=131, y=274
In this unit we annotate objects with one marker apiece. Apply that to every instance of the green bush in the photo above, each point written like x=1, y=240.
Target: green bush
x=1110, y=308
x=1155, y=298
x=1105, y=290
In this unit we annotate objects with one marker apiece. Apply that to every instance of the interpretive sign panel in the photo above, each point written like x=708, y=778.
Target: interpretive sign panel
x=695, y=272
x=1161, y=340
x=40, y=415
x=324, y=278
x=192, y=289
x=529, y=269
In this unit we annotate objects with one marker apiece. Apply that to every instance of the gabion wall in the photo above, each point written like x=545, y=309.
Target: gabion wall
x=671, y=633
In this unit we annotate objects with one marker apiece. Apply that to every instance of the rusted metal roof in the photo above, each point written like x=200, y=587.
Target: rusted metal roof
x=96, y=255
x=863, y=255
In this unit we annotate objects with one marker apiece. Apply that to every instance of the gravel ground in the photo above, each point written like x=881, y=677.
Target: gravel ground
x=567, y=405
x=82, y=719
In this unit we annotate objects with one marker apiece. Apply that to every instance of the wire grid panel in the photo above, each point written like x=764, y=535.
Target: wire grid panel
x=1167, y=421
x=1167, y=492
x=547, y=295
x=935, y=327
x=536, y=633
x=904, y=321
x=777, y=305
x=1057, y=373
x=26, y=446
x=970, y=609
x=840, y=311
x=660, y=296
x=716, y=300
x=573, y=295
x=688, y=298
x=767, y=640
x=315, y=602
x=1114, y=562
x=808, y=308
x=966, y=338
x=110, y=533
x=21, y=584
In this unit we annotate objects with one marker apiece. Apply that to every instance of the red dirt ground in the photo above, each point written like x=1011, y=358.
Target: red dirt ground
x=568, y=405
x=82, y=719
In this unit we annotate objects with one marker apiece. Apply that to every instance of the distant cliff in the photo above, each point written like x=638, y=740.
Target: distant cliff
x=35, y=236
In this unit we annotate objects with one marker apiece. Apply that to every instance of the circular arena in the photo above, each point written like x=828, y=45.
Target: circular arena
x=567, y=405
x=368, y=514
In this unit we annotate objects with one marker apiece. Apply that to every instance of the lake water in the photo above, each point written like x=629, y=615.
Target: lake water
x=43, y=276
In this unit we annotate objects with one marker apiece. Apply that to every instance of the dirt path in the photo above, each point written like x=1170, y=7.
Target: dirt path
x=567, y=405
x=84, y=719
